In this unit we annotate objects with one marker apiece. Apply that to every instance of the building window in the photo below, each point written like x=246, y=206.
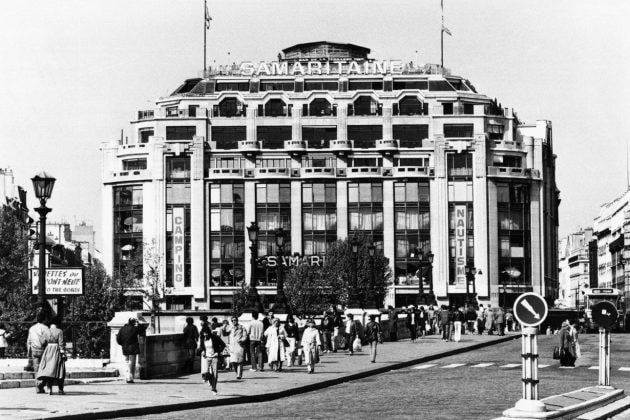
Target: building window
x=319, y=161
x=225, y=162
x=365, y=136
x=507, y=161
x=319, y=137
x=412, y=229
x=469, y=109
x=459, y=166
x=229, y=107
x=273, y=163
x=134, y=164
x=495, y=131
x=178, y=303
x=372, y=162
x=410, y=135
x=144, y=134
x=266, y=85
x=178, y=168
x=320, y=107
x=273, y=210
x=310, y=85
x=412, y=161
x=360, y=84
x=319, y=217
x=227, y=137
x=227, y=234
x=458, y=130
x=365, y=210
x=273, y=137
x=410, y=105
x=411, y=84
x=128, y=219
x=232, y=86
x=513, y=218
x=440, y=86
x=447, y=108
x=365, y=105
x=180, y=132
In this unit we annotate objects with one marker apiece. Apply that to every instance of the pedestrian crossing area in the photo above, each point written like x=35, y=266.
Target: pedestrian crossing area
x=506, y=366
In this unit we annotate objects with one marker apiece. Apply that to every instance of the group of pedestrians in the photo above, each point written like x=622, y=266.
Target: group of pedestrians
x=451, y=321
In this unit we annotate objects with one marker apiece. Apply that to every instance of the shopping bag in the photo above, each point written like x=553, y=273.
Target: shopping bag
x=356, y=345
x=204, y=365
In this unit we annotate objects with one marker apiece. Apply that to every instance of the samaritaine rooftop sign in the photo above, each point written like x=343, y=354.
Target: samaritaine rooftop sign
x=314, y=68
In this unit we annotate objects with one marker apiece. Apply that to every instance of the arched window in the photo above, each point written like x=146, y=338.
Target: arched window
x=231, y=107
x=275, y=108
x=410, y=105
x=365, y=105
x=320, y=107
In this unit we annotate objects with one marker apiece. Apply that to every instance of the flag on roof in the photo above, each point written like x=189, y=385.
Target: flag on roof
x=208, y=17
x=446, y=30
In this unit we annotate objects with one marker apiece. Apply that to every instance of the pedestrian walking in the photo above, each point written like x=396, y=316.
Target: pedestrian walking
x=458, y=319
x=255, y=333
x=276, y=338
x=293, y=334
x=326, y=329
x=211, y=350
x=337, y=337
x=392, y=319
x=412, y=323
x=489, y=319
x=422, y=322
x=127, y=338
x=431, y=319
x=353, y=332
x=445, y=319
x=573, y=332
x=373, y=336
x=237, y=341
x=52, y=369
x=35, y=345
x=567, y=355
x=3, y=340
x=224, y=362
x=509, y=320
x=191, y=336
x=499, y=320
x=311, y=345
x=471, y=318
x=481, y=323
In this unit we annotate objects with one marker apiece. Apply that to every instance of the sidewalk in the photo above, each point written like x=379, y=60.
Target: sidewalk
x=107, y=400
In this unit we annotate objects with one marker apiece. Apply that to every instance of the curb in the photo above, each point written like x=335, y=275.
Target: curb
x=164, y=408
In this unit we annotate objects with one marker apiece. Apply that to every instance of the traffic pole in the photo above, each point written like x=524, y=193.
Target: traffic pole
x=604, y=357
x=529, y=355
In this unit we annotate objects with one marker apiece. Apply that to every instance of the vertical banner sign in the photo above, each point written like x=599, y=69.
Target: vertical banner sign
x=178, y=247
x=460, y=246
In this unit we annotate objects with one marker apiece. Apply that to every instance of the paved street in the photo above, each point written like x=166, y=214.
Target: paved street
x=474, y=385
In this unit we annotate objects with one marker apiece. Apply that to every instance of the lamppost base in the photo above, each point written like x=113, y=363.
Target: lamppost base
x=530, y=406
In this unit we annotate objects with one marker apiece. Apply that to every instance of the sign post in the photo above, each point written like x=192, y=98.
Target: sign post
x=530, y=310
x=605, y=315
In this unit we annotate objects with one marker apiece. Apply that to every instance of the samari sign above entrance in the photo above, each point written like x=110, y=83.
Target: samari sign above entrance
x=321, y=68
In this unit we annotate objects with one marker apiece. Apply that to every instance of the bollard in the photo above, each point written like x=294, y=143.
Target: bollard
x=530, y=402
x=604, y=357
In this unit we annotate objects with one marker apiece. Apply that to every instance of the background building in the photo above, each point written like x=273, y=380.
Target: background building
x=327, y=143
x=574, y=267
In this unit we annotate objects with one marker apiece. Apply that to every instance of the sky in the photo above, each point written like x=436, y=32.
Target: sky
x=73, y=74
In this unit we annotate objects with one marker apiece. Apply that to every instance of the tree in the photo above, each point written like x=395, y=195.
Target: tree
x=310, y=292
x=240, y=300
x=154, y=283
x=339, y=265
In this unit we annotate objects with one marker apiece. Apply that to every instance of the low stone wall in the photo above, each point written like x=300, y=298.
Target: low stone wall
x=165, y=354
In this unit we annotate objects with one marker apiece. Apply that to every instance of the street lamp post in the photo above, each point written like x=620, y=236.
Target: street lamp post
x=372, y=298
x=253, y=300
x=280, y=304
x=43, y=184
x=354, y=244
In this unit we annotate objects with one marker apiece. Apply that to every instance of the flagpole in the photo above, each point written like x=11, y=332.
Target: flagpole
x=442, y=36
x=205, y=29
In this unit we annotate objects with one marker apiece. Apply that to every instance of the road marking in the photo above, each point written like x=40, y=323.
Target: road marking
x=510, y=365
x=594, y=368
x=424, y=366
x=542, y=366
x=624, y=369
x=453, y=365
x=482, y=365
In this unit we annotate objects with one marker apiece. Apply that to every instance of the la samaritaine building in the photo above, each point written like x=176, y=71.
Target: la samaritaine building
x=327, y=142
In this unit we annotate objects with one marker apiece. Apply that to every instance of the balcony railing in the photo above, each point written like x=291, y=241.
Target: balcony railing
x=386, y=144
x=363, y=171
x=295, y=145
x=509, y=145
x=225, y=173
x=273, y=172
x=248, y=146
x=412, y=171
x=341, y=144
x=318, y=172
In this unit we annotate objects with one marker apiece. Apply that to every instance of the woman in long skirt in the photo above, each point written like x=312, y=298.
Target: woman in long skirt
x=275, y=337
x=311, y=344
x=52, y=368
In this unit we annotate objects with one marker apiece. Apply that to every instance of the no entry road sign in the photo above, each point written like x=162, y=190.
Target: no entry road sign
x=604, y=314
x=530, y=309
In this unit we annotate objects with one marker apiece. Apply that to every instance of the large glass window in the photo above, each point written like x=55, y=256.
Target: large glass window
x=410, y=135
x=319, y=137
x=321, y=85
x=360, y=84
x=412, y=230
x=273, y=137
x=320, y=107
x=134, y=164
x=410, y=105
x=275, y=108
x=229, y=107
x=365, y=210
x=365, y=105
x=459, y=166
x=227, y=137
x=513, y=216
x=178, y=168
x=319, y=217
x=227, y=234
x=365, y=136
x=127, y=225
x=180, y=132
x=458, y=130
